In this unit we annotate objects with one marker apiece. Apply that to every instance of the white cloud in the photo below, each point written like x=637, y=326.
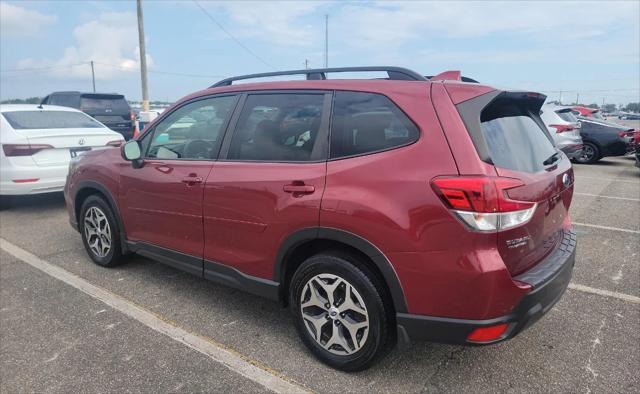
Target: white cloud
x=111, y=41
x=273, y=21
x=19, y=21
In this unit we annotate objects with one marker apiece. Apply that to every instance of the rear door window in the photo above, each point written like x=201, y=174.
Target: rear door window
x=515, y=141
x=567, y=115
x=366, y=122
x=23, y=120
x=277, y=127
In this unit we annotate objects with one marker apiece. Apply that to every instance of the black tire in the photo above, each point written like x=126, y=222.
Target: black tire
x=5, y=202
x=113, y=256
x=379, y=337
x=590, y=154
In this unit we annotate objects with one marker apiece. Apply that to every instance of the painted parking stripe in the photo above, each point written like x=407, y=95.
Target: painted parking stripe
x=235, y=362
x=606, y=179
x=624, y=230
x=605, y=293
x=610, y=197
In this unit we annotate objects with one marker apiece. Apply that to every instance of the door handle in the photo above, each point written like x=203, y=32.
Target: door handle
x=298, y=187
x=192, y=180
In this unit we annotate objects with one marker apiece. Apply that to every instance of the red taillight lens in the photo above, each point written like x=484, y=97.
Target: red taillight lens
x=482, y=202
x=13, y=150
x=625, y=133
x=488, y=334
x=561, y=128
x=133, y=116
x=116, y=143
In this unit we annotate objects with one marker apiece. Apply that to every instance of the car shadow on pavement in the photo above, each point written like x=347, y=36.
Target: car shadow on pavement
x=36, y=202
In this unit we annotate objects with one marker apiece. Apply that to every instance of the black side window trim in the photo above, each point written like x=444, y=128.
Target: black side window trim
x=225, y=127
x=321, y=148
x=416, y=125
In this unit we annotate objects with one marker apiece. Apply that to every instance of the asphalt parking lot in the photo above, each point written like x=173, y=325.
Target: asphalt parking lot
x=148, y=327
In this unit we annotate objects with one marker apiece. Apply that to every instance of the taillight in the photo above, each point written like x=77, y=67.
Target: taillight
x=116, y=143
x=625, y=133
x=561, y=128
x=132, y=115
x=482, y=202
x=13, y=150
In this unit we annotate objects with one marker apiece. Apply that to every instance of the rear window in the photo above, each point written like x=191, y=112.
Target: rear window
x=567, y=115
x=366, y=122
x=24, y=120
x=514, y=140
x=65, y=100
x=114, y=103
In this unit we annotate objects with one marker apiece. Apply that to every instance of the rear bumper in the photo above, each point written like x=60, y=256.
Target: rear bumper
x=126, y=131
x=49, y=179
x=549, y=280
x=573, y=150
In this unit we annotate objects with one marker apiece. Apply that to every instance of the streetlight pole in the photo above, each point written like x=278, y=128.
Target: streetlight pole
x=143, y=59
x=326, y=41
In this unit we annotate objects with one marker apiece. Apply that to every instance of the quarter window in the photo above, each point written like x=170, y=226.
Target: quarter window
x=367, y=122
x=277, y=127
x=192, y=131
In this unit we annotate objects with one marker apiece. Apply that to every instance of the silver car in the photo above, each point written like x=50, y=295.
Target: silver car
x=564, y=128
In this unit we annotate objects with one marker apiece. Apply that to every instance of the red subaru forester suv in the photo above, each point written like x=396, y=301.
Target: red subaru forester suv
x=393, y=209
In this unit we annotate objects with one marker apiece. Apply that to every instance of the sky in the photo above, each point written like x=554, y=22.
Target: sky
x=590, y=48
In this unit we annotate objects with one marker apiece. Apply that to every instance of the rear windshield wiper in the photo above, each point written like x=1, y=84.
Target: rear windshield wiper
x=552, y=159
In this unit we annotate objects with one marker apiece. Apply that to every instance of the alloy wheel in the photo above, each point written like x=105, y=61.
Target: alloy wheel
x=97, y=231
x=587, y=153
x=334, y=314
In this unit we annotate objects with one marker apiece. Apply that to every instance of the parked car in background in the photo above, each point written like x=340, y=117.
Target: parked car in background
x=110, y=109
x=629, y=116
x=565, y=133
x=587, y=112
x=602, y=139
x=378, y=210
x=37, y=143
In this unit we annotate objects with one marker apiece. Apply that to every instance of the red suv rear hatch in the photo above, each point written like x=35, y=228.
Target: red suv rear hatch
x=533, y=181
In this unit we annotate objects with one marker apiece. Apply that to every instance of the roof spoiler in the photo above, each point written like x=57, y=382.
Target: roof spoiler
x=451, y=75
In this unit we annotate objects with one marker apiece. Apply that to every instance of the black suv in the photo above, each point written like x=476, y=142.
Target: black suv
x=111, y=109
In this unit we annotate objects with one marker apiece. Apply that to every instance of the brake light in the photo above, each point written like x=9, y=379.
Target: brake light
x=561, y=128
x=488, y=334
x=13, y=150
x=132, y=115
x=482, y=202
x=625, y=133
x=116, y=143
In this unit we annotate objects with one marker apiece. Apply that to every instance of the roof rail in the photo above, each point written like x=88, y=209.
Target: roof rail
x=395, y=73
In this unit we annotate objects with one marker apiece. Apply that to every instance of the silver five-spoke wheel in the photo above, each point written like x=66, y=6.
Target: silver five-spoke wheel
x=97, y=231
x=334, y=314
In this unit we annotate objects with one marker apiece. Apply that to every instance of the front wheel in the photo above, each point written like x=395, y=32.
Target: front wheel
x=100, y=232
x=340, y=312
x=590, y=154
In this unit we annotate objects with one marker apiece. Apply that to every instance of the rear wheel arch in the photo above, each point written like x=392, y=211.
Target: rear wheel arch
x=311, y=241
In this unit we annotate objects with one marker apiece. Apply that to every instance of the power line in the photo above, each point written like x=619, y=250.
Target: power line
x=162, y=72
x=44, y=68
x=232, y=36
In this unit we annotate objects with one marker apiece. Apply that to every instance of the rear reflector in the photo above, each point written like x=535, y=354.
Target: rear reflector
x=12, y=150
x=488, y=334
x=482, y=203
x=25, y=180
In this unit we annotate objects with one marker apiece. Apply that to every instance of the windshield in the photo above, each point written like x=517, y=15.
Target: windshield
x=24, y=120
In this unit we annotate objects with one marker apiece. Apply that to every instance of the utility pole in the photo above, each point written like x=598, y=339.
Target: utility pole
x=578, y=98
x=326, y=40
x=603, y=102
x=93, y=77
x=306, y=64
x=560, y=99
x=143, y=59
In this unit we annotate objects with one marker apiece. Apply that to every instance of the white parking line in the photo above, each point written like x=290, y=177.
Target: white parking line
x=607, y=179
x=217, y=352
x=624, y=230
x=611, y=197
x=605, y=293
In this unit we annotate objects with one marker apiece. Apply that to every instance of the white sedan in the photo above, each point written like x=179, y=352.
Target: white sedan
x=39, y=141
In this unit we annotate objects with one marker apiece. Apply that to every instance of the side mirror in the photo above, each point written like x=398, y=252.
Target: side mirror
x=131, y=151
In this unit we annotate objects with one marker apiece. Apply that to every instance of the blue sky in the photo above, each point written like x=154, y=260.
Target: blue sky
x=591, y=47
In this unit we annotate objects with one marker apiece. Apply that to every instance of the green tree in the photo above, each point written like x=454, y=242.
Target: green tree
x=632, y=107
x=609, y=108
